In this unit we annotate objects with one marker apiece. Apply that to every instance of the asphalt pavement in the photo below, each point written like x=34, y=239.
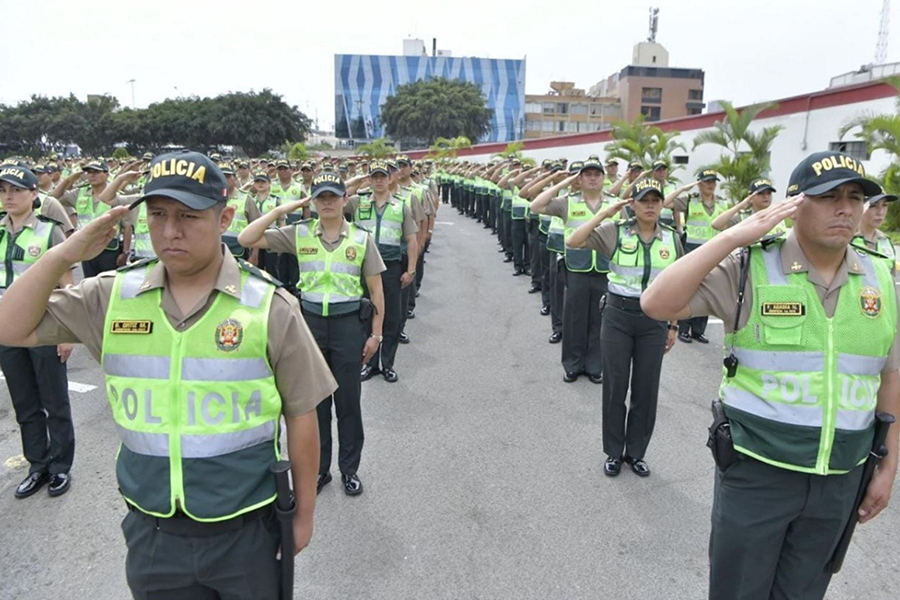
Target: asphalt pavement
x=482, y=472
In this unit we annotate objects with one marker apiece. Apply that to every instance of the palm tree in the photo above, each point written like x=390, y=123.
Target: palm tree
x=379, y=148
x=638, y=141
x=449, y=148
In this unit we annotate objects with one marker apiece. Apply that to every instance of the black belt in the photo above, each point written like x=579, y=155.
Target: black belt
x=624, y=302
x=181, y=524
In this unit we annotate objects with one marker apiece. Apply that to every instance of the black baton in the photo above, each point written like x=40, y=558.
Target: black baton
x=285, y=507
x=879, y=450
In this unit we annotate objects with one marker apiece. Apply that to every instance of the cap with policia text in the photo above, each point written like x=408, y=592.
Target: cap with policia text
x=762, y=184
x=635, y=166
x=282, y=164
x=660, y=164
x=18, y=176
x=147, y=156
x=575, y=167
x=610, y=161
x=327, y=182
x=190, y=178
x=646, y=186
x=708, y=175
x=40, y=169
x=96, y=165
x=378, y=166
x=226, y=168
x=592, y=163
x=261, y=176
x=821, y=172
x=403, y=160
x=546, y=162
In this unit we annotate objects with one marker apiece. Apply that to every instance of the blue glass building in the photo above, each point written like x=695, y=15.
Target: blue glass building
x=362, y=83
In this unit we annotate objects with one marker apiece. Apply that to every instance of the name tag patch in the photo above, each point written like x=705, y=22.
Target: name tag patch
x=309, y=250
x=142, y=327
x=783, y=309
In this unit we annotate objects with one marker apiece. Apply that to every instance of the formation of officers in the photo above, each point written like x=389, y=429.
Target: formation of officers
x=628, y=264
x=204, y=354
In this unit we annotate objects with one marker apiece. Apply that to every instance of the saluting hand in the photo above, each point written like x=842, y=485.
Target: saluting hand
x=293, y=206
x=90, y=240
x=754, y=228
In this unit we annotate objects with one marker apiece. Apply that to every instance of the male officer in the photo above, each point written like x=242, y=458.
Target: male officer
x=203, y=357
x=814, y=354
x=289, y=191
x=36, y=377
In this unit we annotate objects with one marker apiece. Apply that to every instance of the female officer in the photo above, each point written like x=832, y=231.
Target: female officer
x=873, y=216
x=638, y=250
x=760, y=198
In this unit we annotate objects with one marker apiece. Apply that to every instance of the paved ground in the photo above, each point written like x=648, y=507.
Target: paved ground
x=482, y=471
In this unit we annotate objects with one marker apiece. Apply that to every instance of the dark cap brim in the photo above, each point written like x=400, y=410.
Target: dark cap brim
x=379, y=170
x=644, y=192
x=870, y=188
x=709, y=178
x=595, y=167
x=764, y=188
x=192, y=201
x=880, y=197
x=13, y=181
x=328, y=188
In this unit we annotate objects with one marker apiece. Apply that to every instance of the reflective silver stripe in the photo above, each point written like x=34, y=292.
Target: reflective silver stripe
x=856, y=364
x=148, y=444
x=854, y=420
x=42, y=228
x=338, y=267
x=302, y=229
x=224, y=369
x=386, y=224
x=334, y=298
x=772, y=260
x=765, y=360
x=206, y=446
x=626, y=271
x=131, y=283
x=313, y=296
x=253, y=292
x=312, y=266
x=360, y=237
x=20, y=267
x=791, y=414
x=388, y=241
x=666, y=236
x=139, y=366
x=624, y=291
x=870, y=278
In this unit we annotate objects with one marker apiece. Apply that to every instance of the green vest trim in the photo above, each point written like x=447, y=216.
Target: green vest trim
x=387, y=227
x=22, y=249
x=582, y=260
x=698, y=223
x=635, y=264
x=85, y=212
x=143, y=247
x=330, y=282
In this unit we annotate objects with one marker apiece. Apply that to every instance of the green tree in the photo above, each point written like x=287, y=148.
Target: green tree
x=378, y=148
x=296, y=151
x=444, y=148
x=120, y=153
x=423, y=111
x=639, y=141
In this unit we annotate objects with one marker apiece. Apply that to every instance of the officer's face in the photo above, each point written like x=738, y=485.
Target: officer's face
x=831, y=219
x=591, y=179
x=261, y=186
x=633, y=174
x=284, y=173
x=44, y=179
x=16, y=200
x=612, y=171
x=243, y=171
x=185, y=240
x=95, y=177
x=661, y=174
x=405, y=170
x=380, y=182
x=329, y=205
x=875, y=213
x=647, y=209
x=762, y=201
x=306, y=174
x=708, y=186
x=231, y=181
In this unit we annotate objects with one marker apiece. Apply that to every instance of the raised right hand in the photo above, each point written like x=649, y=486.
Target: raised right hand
x=90, y=240
x=754, y=228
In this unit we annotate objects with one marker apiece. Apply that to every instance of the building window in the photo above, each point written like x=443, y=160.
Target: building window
x=695, y=111
x=561, y=126
x=651, y=112
x=695, y=94
x=578, y=109
x=546, y=125
x=532, y=107
x=549, y=108
x=680, y=160
x=571, y=127
x=531, y=125
x=562, y=108
x=651, y=95
x=857, y=150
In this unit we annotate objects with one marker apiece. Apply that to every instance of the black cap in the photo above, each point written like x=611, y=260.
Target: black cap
x=592, y=163
x=261, y=176
x=391, y=165
x=556, y=167
x=660, y=164
x=147, y=156
x=96, y=165
x=306, y=167
x=187, y=177
x=635, y=166
x=40, y=169
x=708, y=175
x=378, y=166
x=646, y=186
x=575, y=167
x=761, y=185
x=403, y=160
x=327, y=182
x=18, y=176
x=282, y=163
x=226, y=168
x=880, y=197
x=546, y=162
x=821, y=172
x=611, y=161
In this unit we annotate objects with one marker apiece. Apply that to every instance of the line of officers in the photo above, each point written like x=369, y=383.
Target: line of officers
x=375, y=236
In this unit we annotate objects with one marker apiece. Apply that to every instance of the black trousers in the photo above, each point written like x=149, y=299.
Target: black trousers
x=270, y=263
x=558, y=274
x=519, y=243
x=493, y=209
x=695, y=325
x=420, y=273
x=239, y=565
x=582, y=323
x=633, y=345
x=390, y=283
x=341, y=340
x=506, y=222
x=105, y=261
x=39, y=390
x=289, y=269
x=774, y=530
x=480, y=206
x=534, y=249
x=546, y=269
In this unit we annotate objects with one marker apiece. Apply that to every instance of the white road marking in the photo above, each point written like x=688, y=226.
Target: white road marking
x=444, y=223
x=74, y=386
x=715, y=320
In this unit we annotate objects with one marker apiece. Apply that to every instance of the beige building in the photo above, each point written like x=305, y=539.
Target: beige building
x=566, y=109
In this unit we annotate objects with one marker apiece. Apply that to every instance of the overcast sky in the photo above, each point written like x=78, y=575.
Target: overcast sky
x=751, y=51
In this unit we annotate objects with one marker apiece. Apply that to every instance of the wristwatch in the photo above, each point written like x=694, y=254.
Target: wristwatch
x=673, y=327
x=380, y=338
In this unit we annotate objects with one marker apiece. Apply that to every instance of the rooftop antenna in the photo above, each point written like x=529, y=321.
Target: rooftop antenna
x=654, y=22
x=881, y=46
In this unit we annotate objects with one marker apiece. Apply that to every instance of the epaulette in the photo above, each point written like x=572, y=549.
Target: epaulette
x=863, y=250
x=770, y=239
x=259, y=273
x=628, y=221
x=141, y=263
x=46, y=219
x=667, y=226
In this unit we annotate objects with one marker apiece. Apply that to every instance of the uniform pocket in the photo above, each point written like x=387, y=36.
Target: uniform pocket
x=782, y=313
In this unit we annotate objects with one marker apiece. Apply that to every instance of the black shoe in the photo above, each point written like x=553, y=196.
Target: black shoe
x=322, y=481
x=389, y=375
x=501, y=249
x=367, y=373
x=545, y=310
x=508, y=259
x=31, y=484
x=487, y=227
x=417, y=293
x=518, y=272
x=700, y=338
x=528, y=272
x=352, y=485
x=411, y=313
x=612, y=466
x=403, y=338
x=59, y=484
x=555, y=338
x=684, y=337
x=638, y=466
x=535, y=288
x=570, y=377
x=596, y=378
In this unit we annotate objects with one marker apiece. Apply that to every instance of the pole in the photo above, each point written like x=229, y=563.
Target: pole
x=285, y=507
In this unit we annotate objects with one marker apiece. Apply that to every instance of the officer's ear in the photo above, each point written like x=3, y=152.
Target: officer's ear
x=225, y=215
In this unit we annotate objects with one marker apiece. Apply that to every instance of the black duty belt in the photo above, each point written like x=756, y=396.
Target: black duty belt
x=181, y=524
x=624, y=302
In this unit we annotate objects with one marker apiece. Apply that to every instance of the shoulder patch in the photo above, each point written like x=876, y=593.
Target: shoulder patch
x=863, y=250
x=259, y=274
x=665, y=226
x=141, y=263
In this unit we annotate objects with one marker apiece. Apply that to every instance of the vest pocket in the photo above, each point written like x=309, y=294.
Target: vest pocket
x=782, y=313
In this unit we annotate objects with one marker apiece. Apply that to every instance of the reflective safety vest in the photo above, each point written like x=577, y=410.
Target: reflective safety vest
x=506, y=199
x=804, y=394
x=269, y=204
x=556, y=235
x=85, y=212
x=330, y=282
x=197, y=411
x=143, y=247
x=667, y=215
x=698, y=223
x=288, y=194
x=238, y=223
x=519, y=206
x=20, y=250
x=544, y=224
x=635, y=264
x=582, y=260
x=387, y=227
x=883, y=245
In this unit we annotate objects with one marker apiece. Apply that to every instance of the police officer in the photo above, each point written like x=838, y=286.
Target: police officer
x=869, y=235
x=633, y=343
x=243, y=209
x=180, y=339
x=760, y=198
x=264, y=203
x=519, y=224
x=287, y=190
x=334, y=257
x=36, y=377
x=815, y=353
